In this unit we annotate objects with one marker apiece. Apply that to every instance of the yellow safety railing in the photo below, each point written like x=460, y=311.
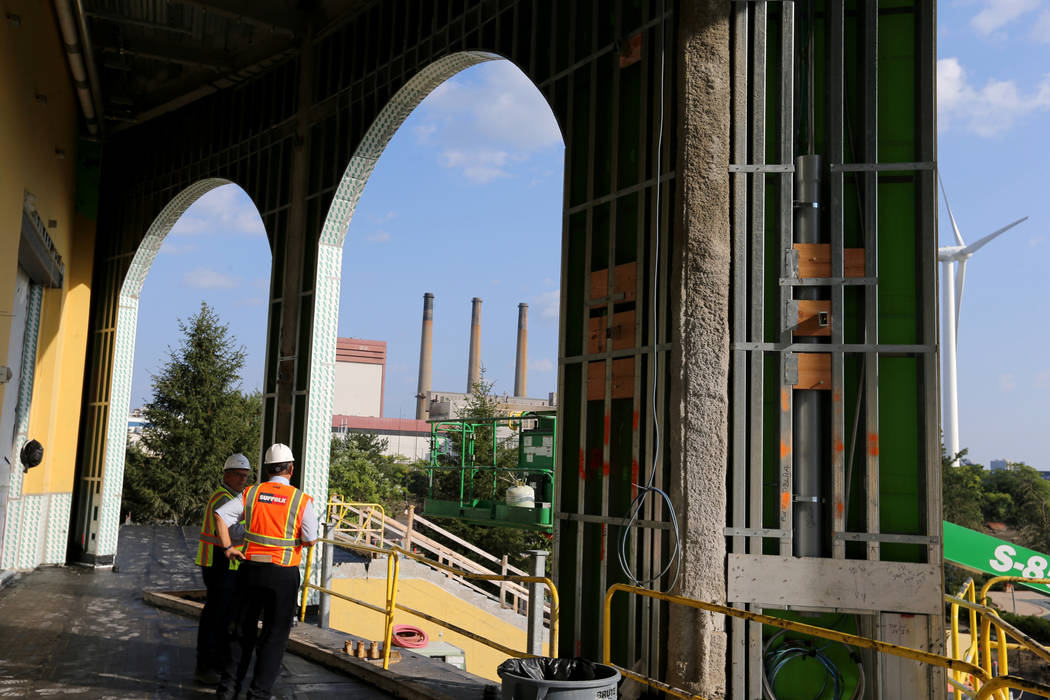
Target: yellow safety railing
x=362, y=521
x=393, y=572
x=989, y=686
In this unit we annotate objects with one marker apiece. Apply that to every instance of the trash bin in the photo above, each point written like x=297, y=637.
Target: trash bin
x=557, y=679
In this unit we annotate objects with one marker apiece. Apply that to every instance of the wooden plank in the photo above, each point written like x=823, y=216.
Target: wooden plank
x=624, y=277
x=814, y=260
x=621, y=332
x=809, y=320
x=622, y=379
x=814, y=370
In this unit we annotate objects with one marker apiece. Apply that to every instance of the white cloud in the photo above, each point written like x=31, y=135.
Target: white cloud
x=170, y=247
x=543, y=364
x=548, y=303
x=389, y=216
x=379, y=237
x=225, y=210
x=207, y=278
x=998, y=13
x=484, y=122
x=1007, y=382
x=1035, y=241
x=1041, y=27
x=479, y=165
x=986, y=111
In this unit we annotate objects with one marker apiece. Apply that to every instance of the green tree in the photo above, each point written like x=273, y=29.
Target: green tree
x=1027, y=506
x=962, y=491
x=197, y=417
x=359, y=471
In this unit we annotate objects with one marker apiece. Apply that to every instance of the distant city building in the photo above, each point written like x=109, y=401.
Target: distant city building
x=446, y=405
x=136, y=424
x=997, y=465
x=405, y=437
x=360, y=377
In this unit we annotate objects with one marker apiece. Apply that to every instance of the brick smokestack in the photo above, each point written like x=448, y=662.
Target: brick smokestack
x=522, y=359
x=426, y=353
x=474, y=358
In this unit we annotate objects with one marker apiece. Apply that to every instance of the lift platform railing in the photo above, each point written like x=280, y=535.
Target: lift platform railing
x=393, y=555
x=364, y=522
x=991, y=688
x=983, y=620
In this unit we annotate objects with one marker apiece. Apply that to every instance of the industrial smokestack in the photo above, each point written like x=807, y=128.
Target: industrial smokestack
x=426, y=353
x=522, y=359
x=474, y=358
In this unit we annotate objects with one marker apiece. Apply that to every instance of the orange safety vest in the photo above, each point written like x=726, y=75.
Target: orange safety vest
x=209, y=539
x=273, y=514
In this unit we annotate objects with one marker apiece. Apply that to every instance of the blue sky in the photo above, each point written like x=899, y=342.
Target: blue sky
x=466, y=202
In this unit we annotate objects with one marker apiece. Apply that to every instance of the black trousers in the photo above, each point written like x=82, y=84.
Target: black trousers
x=267, y=591
x=213, y=644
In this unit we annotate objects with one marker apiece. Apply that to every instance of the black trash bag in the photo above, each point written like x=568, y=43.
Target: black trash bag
x=31, y=455
x=548, y=669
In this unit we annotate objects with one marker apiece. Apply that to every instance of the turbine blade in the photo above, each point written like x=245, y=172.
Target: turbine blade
x=960, y=279
x=971, y=249
x=955, y=226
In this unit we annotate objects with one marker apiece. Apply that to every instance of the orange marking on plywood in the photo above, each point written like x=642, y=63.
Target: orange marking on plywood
x=873, y=445
x=839, y=447
x=785, y=500
x=583, y=467
x=634, y=421
x=785, y=449
x=839, y=508
x=785, y=400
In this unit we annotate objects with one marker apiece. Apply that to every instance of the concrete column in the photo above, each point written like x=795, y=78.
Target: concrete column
x=324, y=601
x=474, y=358
x=534, y=624
x=426, y=356
x=522, y=358
x=699, y=298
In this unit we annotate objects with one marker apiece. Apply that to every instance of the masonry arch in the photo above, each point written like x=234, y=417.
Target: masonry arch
x=98, y=508
x=315, y=456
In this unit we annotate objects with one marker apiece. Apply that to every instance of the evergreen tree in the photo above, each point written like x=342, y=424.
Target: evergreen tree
x=197, y=418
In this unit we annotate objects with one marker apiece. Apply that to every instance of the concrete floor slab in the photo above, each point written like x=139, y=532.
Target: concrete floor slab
x=72, y=632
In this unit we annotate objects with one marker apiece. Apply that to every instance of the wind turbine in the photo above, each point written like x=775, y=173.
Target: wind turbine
x=953, y=290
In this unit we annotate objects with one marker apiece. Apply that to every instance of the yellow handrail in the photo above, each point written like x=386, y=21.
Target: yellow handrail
x=393, y=575
x=799, y=627
x=371, y=518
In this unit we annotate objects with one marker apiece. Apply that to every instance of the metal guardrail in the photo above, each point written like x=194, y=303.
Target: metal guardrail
x=990, y=687
x=393, y=572
x=370, y=524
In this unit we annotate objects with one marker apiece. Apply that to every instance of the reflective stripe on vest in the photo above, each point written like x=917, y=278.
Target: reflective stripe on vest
x=208, y=538
x=273, y=514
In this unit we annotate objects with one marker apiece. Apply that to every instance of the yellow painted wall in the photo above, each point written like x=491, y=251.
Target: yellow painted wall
x=32, y=135
x=430, y=598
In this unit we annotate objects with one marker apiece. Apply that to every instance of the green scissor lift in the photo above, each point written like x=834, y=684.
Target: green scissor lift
x=453, y=450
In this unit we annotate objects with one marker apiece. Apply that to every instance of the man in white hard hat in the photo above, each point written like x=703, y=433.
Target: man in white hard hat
x=218, y=573
x=279, y=520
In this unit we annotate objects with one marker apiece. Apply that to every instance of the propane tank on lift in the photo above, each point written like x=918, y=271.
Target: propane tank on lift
x=521, y=495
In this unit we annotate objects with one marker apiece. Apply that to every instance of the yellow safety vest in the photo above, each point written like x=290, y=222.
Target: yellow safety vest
x=209, y=538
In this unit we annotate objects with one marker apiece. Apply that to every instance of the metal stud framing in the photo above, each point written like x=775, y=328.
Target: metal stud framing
x=760, y=519
x=287, y=136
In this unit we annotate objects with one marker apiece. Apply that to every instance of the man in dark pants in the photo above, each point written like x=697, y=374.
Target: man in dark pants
x=219, y=576
x=279, y=520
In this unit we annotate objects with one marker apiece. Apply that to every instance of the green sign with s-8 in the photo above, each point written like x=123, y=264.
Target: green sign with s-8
x=986, y=554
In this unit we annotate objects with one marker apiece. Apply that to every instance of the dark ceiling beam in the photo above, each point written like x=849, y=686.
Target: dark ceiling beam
x=131, y=21
x=254, y=13
x=173, y=53
x=193, y=87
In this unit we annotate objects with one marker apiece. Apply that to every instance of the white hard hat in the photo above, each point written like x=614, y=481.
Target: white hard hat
x=236, y=461
x=278, y=453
